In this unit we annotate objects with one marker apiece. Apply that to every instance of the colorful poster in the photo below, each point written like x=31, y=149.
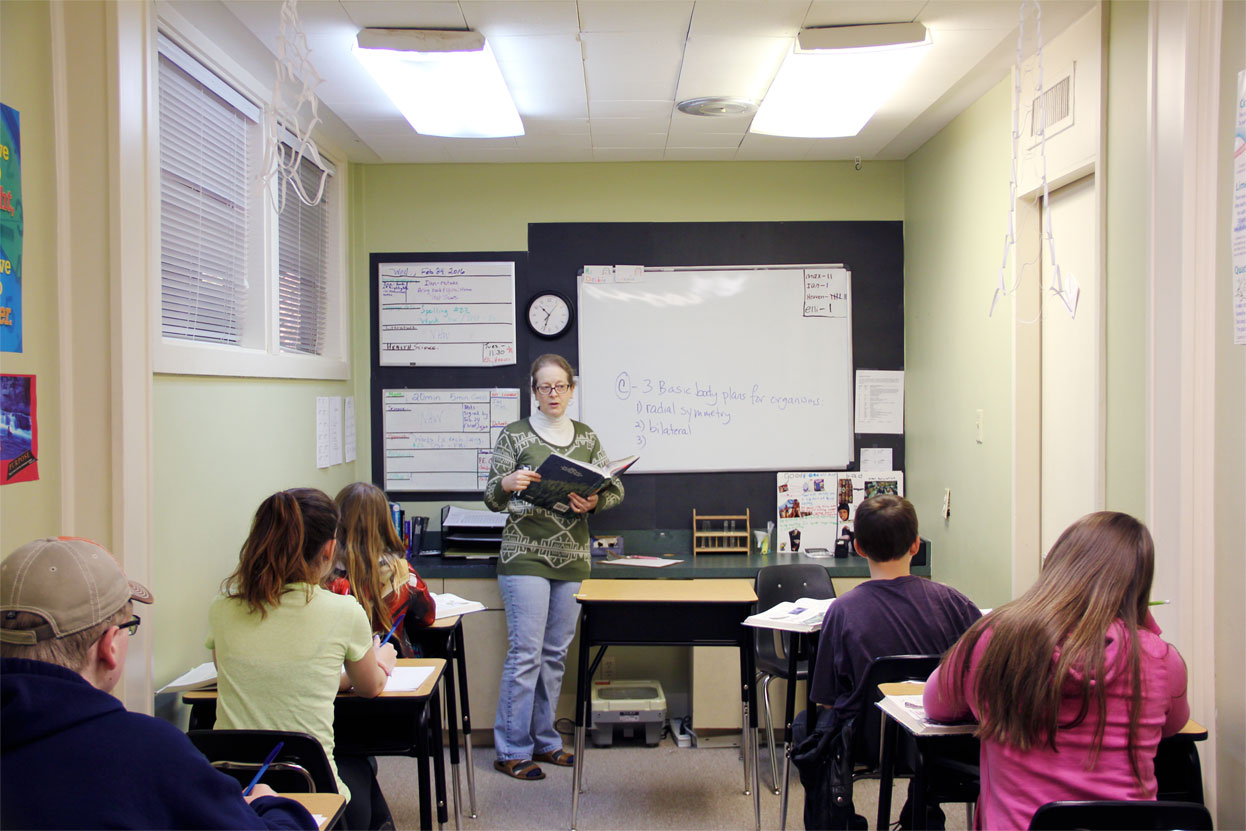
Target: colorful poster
x=19, y=430
x=816, y=510
x=10, y=231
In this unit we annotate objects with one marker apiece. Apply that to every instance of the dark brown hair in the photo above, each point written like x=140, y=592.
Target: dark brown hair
x=886, y=527
x=1099, y=571
x=556, y=360
x=365, y=537
x=288, y=533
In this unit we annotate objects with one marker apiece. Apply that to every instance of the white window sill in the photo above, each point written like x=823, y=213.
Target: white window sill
x=187, y=358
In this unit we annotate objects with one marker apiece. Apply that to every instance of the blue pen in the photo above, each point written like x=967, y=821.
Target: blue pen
x=264, y=768
x=397, y=621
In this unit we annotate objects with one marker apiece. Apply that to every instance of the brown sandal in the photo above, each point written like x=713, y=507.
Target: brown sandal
x=524, y=769
x=558, y=757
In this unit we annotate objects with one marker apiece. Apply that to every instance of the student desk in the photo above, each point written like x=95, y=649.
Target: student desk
x=444, y=639
x=331, y=806
x=392, y=724
x=673, y=613
x=1177, y=769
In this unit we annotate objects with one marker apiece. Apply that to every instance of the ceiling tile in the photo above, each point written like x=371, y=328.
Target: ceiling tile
x=736, y=66
x=556, y=127
x=627, y=126
x=773, y=18
x=546, y=155
x=630, y=109
x=634, y=16
x=483, y=150
x=705, y=140
x=632, y=66
x=699, y=154
x=683, y=124
x=628, y=140
x=544, y=73
x=521, y=17
x=559, y=142
x=388, y=15
x=620, y=154
x=757, y=147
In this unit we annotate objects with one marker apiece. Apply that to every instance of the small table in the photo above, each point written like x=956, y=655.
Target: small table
x=1178, y=772
x=671, y=613
x=391, y=724
x=328, y=805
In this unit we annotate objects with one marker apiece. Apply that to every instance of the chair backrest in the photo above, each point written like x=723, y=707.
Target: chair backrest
x=301, y=767
x=885, y=669
x=1111, y=815
x=776, y=584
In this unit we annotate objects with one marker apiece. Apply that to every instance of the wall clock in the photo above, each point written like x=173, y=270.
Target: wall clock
x=549, y=314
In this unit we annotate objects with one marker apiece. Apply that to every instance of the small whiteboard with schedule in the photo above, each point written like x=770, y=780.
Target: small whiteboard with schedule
x=722, y=368
x=446, y=314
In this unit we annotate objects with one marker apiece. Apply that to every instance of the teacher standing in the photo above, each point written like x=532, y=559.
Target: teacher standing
x=544, y=557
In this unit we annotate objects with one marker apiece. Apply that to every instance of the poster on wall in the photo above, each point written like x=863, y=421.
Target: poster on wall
x=816, y=510
x=19, y=430
x=10, y=231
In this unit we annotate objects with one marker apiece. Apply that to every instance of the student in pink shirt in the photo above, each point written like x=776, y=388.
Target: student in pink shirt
x=1070, y=683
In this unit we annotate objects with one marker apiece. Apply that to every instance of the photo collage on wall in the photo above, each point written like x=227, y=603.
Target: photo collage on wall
x=816, y=510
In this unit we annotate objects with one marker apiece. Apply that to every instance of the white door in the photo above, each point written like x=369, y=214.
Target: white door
x=1072, y=375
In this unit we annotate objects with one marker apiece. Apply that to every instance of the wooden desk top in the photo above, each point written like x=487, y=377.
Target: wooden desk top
x=444, y=622
x=1192, y=728
x=424, y=691
x=328, y=805
x=667, y=591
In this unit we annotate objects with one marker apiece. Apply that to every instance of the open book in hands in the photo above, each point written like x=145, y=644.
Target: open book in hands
x=561, y=476
x=802, y=615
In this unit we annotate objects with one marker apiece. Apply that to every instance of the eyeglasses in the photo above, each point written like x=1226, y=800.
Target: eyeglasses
x=550, y=389
x=131, y=625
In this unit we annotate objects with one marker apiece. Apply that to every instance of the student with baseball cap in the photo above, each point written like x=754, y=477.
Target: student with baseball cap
x=71, y=755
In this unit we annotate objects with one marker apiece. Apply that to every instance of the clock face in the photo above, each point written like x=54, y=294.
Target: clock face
x=549, y=314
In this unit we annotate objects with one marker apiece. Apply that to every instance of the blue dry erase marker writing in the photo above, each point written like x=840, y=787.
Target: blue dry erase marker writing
x=264, y=767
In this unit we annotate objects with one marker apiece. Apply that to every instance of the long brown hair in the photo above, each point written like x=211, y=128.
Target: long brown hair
x=1099, y=571
x=288, y=533
x=366, y=537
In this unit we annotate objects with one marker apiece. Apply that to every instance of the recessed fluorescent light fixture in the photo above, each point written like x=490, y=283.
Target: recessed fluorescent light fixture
x=446, y=83
x=835, y=79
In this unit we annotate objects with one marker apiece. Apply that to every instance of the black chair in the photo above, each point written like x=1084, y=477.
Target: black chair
x=300, y=767
x=1120, y=815
x=774, y=585
x=956, y=770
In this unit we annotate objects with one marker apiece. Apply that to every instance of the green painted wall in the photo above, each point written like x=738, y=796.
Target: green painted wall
x=956, y=358
x=219, y=446
x=488, y=208
x=29, y=510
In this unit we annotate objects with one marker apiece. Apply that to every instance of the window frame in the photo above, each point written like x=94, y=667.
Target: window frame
x=263, y=356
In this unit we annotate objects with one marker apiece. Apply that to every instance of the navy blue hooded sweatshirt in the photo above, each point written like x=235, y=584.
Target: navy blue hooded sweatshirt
x=72, y=756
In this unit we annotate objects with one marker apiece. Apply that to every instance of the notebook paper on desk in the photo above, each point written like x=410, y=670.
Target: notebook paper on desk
x=449, y=605
x=407, y=679
x=802, y=615
x=909, y=712
x=198, y=678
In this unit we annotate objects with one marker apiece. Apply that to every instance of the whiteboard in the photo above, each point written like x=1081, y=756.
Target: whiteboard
x=442, y=440
x=446, y=314
x=720, y=368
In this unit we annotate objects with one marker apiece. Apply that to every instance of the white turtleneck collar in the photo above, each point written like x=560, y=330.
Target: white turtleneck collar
x=557, y=431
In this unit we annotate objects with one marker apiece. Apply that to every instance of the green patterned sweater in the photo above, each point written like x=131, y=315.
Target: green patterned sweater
x=537, y=541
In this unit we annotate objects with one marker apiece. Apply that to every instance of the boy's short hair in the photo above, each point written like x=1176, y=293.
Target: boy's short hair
x=886, y=527
x=70, y=651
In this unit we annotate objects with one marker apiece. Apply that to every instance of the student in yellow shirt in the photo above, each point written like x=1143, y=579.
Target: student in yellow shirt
x=280, y=641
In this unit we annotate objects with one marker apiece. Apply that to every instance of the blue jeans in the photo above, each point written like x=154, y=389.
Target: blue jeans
x=541, y=616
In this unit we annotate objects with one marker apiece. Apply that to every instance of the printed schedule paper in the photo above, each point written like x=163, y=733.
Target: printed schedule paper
x=447, y=314
x=442, y=440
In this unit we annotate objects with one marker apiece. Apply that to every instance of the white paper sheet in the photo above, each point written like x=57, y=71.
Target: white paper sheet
x=349, y=424
x=407, y=679
x=880, y=401
x=875, y=458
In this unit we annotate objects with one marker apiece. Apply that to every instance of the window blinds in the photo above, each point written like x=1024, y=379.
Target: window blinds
x=302, y=263
x=206, y=147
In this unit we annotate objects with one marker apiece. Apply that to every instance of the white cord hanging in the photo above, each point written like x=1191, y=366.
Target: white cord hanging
x=1068, y=296
x=291, y=115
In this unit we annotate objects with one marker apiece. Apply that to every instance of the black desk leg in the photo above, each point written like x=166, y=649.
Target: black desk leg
x=448, y=689
x=421, y=766
x=581, y=716
x=748, y=721
x=438, y=754
x=793, y=660
x=460, y=660
x=886, y=771
x=917, y=793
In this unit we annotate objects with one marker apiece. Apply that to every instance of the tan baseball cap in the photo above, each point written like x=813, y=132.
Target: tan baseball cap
x=71, y=582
